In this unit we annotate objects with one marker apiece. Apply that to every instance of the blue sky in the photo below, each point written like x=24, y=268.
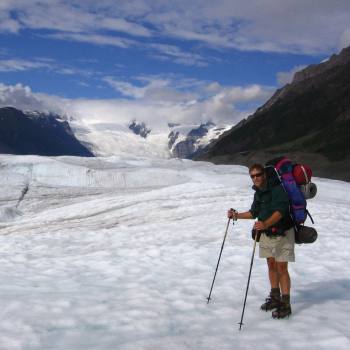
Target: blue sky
x=187, y=61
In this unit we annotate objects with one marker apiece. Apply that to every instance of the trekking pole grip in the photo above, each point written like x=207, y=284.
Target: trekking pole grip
x=234, y=218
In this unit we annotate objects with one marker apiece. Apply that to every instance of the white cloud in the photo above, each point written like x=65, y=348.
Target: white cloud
x=161, y=52
x=40, y=63
x=176, y=55
x=125, y=88
x=290, y=26
x=157, y=102
x=94, y=39
x=170, y=100
x=74, y=16
x=8, y=25
x=22, y=97
x=12, y=65
x=161, y=90
x=344, y=40
x=284, y=78
x=121, y=25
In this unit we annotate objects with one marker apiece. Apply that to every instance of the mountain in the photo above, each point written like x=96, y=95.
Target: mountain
x=122, y=139
x=37, y=133
x=136, y=138
x=187, y=141
x=307, y=120
x=139, y=128
x=47, y=134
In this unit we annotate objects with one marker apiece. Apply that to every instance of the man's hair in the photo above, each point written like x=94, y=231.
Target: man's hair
x=258, y=167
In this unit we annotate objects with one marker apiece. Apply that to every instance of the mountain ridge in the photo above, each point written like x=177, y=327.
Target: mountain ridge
x=310, y=116
x=37, y=133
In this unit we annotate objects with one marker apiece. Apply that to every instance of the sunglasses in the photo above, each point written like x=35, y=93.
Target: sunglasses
x=256, y=175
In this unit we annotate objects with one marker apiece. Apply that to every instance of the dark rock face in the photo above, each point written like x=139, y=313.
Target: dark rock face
x=201, y=131
x=40, y=134
x=139, y=128
x=310, y=116
x=173, y=135
x=184, y=149
x=189, y=146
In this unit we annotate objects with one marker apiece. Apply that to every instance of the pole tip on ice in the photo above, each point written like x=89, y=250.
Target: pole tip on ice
x=240, y=325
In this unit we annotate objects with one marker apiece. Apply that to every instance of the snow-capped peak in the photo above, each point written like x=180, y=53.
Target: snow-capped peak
x=139, y=128
x=187, y=140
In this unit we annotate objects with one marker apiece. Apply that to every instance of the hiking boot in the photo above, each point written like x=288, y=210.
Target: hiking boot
x=271, y=302
x=283, y=311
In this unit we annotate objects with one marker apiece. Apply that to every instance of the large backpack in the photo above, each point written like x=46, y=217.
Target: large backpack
x=296, y=181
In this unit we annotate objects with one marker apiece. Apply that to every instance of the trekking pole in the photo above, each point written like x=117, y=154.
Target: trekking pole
x=217, y=266
x=250, y=272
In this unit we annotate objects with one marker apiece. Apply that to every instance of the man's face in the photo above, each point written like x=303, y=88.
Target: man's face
x=258, y=177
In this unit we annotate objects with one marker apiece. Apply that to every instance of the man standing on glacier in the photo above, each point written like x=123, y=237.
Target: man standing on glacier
x=276, y=243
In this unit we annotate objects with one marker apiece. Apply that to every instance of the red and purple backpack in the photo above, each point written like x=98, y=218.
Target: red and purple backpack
x=293, y=178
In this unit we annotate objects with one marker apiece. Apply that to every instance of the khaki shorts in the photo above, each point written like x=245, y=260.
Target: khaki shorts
x=279, y=247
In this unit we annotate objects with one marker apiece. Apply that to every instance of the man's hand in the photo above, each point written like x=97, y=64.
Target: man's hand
x=260, y=226
x=232, y=214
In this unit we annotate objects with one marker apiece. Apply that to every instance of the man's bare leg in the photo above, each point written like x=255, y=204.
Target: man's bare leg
x=284, y=310
x=273, y=273
x=273, y=301
x=283, y=277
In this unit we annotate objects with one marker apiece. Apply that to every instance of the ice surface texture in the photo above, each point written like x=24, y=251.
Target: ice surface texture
x=119, y=253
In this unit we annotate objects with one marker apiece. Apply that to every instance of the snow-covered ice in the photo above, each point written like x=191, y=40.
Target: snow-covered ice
x=119, y=253
x=106, y=139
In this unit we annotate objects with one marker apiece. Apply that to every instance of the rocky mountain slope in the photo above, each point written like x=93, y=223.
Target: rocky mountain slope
x=47, y=134
x=308, y=120
x=188, y=141
x=139, y=128
x=37, y=133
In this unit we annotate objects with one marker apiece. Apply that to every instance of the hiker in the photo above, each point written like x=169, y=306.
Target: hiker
x=275, y=236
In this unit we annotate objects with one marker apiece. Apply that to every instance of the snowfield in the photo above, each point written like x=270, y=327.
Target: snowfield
x=107, y=139
x=119, y=253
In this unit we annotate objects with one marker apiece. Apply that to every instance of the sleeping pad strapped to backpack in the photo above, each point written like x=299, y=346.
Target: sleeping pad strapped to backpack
x=280, y=171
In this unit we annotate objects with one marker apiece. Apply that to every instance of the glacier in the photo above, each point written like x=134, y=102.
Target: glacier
x=119, y=253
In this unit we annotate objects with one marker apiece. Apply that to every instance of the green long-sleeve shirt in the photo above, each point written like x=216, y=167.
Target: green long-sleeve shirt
x=269, y=200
